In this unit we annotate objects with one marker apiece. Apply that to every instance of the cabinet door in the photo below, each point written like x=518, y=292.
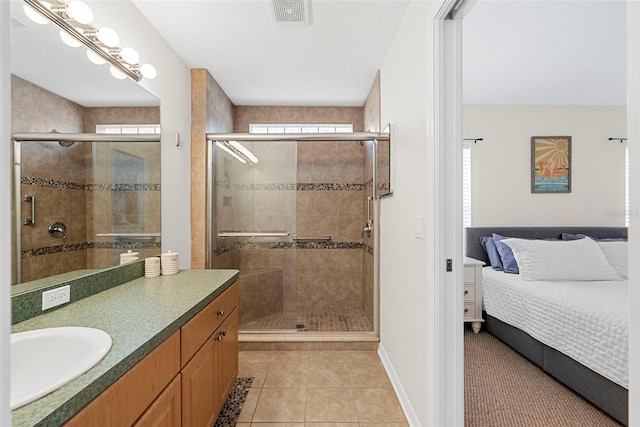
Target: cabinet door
x=166, y=411
x=228, y=354
x=200, y=388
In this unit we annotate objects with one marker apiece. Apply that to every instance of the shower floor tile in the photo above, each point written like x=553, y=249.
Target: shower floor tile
x=354, y=320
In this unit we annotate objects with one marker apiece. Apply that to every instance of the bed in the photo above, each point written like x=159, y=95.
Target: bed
x=576, y=331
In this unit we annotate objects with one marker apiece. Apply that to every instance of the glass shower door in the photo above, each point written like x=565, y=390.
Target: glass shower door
x=255, y=217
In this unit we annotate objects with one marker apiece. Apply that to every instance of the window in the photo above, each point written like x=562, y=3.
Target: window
x=128, y=129
x=301, y=128
x=466, y=185
x=627, y=210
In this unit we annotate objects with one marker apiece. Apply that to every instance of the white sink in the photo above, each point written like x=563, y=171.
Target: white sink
x=46, y=359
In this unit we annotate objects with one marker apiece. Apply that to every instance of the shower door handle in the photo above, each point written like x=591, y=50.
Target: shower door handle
x=30, y=199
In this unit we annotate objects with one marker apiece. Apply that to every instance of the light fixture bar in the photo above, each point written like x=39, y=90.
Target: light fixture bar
x=89, y=43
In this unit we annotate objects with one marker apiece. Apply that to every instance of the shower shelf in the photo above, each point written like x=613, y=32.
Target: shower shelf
x=252, y=234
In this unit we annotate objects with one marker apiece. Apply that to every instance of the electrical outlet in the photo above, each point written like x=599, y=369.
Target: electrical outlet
x=55, y=297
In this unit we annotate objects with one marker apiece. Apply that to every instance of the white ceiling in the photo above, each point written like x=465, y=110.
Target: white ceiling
x=331, y=61
x=545, y=52
x=515, y=52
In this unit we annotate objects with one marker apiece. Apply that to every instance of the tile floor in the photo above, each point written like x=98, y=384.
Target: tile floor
x=354, y=320
x=318, y=389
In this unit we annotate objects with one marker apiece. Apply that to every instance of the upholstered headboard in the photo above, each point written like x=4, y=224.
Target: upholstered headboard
x=474, y=234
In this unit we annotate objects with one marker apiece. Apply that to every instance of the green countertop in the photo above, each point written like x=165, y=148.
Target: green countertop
x=139, y=315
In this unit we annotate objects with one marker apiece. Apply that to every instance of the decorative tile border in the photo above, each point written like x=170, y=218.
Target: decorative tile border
x=301, y=186
x=244, y=246
x=54, y=183
x=48, y=250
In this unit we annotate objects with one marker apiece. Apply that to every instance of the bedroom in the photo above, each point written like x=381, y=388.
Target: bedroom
x=594, y=115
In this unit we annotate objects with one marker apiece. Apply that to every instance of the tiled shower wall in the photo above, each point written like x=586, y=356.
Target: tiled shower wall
x=322, y=195
x=61, y=180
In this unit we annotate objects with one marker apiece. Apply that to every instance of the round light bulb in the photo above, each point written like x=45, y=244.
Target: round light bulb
x=117, y=73
x=108, y=37
x=80, y=12
x=35, y=16
x=68, y=40
x=95, y=58
x=148, y=71
x=130, y=55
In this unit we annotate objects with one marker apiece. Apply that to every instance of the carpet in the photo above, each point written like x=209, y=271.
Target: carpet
x=235, y=401
x=503, y=389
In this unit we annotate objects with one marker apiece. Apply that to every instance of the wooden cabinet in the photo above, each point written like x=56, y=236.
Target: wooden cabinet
x=473, y=293
x=126, y=399
x=227, y=351
x=166, y=411
x=208, y=375
x=184, y=381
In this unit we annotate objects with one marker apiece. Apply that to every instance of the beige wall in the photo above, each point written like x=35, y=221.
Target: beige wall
x=501, y=165
x=211, y=111
x=245, y=115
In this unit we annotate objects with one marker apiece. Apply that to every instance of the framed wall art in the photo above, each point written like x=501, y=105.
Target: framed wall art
x=550, y=164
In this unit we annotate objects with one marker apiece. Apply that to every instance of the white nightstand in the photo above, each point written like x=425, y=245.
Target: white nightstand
x=473, y=293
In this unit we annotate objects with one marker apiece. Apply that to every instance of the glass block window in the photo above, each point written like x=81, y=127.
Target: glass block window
x=301, y=128
x=128, y=129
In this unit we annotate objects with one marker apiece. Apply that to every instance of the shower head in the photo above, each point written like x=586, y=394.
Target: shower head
x=63, y=143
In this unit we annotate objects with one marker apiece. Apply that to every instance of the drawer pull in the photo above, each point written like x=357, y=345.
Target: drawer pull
x=221, y=313
x=466, y=292
x=223, y=333
x=219, y=337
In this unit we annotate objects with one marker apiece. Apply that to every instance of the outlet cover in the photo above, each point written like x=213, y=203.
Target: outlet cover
x=55, y=297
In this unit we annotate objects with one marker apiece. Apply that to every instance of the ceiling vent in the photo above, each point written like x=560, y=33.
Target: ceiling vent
x=291, y=11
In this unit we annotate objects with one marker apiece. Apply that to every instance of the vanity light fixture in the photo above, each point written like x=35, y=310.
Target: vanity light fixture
x=223, y=146
x=74, y=19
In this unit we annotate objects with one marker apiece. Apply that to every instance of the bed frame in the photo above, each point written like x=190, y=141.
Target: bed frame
x=610, y=397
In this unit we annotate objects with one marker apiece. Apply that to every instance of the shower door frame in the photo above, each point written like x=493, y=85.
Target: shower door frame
x=17, y=140
x=210, y=196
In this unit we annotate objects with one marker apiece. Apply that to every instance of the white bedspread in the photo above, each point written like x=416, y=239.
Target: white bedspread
x=587, y=321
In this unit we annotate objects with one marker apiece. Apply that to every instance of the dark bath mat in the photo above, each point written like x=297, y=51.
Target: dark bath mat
x=235, y=401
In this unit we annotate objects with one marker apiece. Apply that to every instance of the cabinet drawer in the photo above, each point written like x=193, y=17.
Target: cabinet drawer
x=470, y=293
x=469, y=310
x=166, y=411
x=470, y=274
x=197, y=330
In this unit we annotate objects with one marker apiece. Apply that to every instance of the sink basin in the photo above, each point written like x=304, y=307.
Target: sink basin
x=45, y=359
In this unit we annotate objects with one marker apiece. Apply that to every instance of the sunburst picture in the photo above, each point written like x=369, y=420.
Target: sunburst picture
x=551, y=164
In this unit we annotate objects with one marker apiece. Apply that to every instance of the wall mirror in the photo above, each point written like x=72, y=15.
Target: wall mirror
x=384, y=174
x=106, y=194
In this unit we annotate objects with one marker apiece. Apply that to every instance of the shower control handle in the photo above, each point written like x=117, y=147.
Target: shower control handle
x=57, y=230
x=30, y=199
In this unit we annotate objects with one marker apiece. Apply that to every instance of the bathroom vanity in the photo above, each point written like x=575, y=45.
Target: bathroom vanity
x=174, y=356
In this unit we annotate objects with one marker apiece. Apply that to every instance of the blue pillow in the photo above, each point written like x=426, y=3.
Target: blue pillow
x=492, y=251
x=509, y=263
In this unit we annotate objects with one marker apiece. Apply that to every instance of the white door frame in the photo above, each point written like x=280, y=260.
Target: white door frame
x=448, y=239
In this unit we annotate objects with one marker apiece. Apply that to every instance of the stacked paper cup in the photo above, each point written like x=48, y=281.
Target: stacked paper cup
x=128, y=257
x=152, y=267
x=169, y=263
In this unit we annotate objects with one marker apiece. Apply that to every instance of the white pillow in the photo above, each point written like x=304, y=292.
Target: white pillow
x=561, y=260
x=617, y=253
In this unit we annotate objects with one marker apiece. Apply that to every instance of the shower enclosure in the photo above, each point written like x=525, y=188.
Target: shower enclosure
x=294, y=213
x=83, y=199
